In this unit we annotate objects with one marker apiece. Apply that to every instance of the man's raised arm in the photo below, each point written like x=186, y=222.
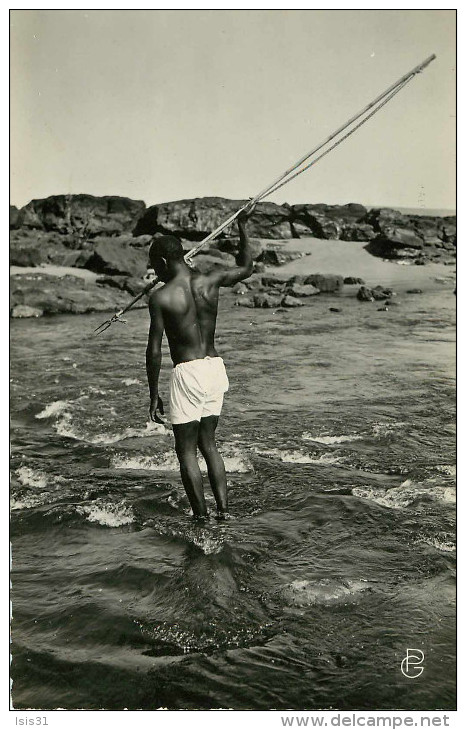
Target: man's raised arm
x=244, y=261
x=154, y=358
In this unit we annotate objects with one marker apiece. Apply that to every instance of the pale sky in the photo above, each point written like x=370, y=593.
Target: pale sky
x=165, y=105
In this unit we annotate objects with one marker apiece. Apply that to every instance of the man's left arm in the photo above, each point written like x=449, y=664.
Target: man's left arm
x=154, y=358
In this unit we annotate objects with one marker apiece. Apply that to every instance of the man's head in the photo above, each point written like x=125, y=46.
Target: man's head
x=164, y=253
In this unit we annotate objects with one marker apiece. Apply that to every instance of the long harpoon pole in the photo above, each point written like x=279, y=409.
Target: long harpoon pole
x=263, y=193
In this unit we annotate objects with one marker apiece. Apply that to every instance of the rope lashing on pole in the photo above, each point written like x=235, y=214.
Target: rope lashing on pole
x=366, y=113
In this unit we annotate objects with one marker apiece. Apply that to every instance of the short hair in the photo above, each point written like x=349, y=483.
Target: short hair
x=166, y=247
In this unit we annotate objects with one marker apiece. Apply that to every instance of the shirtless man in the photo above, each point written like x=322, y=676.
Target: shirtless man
x=186, y=308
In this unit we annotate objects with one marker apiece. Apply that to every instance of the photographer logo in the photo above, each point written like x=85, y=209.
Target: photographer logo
x=411, y=666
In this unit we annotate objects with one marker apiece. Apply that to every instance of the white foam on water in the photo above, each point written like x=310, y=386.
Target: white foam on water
x=201, y=537
x=448, y=469
x=53, y=409
x=331, y=439
x=65, y=427
x=107, y=514
x=30, y=478
x=25, y=502
x=131, y=381
x=298, y=457
x=446, y=546
x=405, y=494
x=382, y=429
x=324, y=590
x=444, y=494
x=234, y=464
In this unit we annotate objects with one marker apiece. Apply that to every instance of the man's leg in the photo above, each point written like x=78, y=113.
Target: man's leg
x=215, y=465
x=186, y=436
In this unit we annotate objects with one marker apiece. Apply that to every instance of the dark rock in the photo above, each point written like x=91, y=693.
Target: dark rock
x=379, y=293
x=289, y=301
x=380, y=218
x=326, y=282
x=278, y=279
x=26, y=256
x=365, y=294
x=195, y=218
x=358, y=232
x=14, y=217
x=109, y=256
x=391, y=303
x=85, y=215
x=297, y=279
x=265, y=301
x=230, y=246
x=449, y=232
x=301, y=230
x=245, y=302
x=254, y=282
x=302, y=290
x=334, y=309
x=351, y=280
x=21, y=311
x=382, y=309
x=240, y=288
x=325, y=221
x=205, y=263
x=414, y=291
x=277, y=257
x=66, y=294
x=140, y=241
x=36, y=248
x=223, y=256
x=132, y=285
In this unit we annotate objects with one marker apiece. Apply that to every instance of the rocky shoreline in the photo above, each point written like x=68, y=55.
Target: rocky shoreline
x=108, y=238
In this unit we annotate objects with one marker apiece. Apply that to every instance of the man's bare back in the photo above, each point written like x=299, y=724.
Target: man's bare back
x=189, y=304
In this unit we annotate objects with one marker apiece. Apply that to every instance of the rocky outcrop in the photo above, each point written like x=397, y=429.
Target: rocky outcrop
x=194, y=219
x=85, y=215
x=67, y=294
x=112, y=256
x=111, y=235
x=412, y=237
x=325, y=221
x=14, y=217
x=33, y=249
x=396, y=242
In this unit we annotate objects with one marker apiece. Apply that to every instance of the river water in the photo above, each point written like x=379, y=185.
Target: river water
x=338, y=438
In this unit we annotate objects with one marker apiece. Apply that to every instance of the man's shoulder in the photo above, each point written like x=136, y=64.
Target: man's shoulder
x=157, y=296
